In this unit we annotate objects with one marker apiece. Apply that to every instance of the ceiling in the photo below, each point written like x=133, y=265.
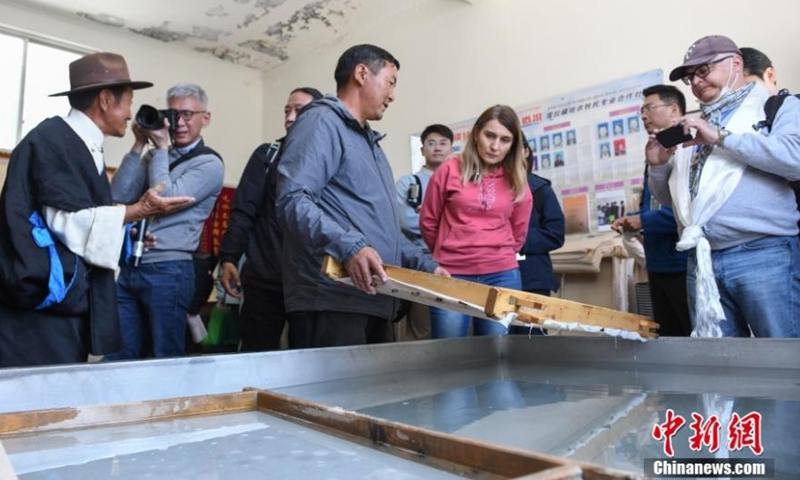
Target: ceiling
x=261, y=34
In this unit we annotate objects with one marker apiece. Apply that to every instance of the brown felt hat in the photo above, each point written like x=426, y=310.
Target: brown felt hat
x=99, y=70
x=703, y=51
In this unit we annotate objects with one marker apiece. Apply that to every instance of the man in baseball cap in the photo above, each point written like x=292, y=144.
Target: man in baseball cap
x=60, y=236
x=703, y=52
x=729, y=192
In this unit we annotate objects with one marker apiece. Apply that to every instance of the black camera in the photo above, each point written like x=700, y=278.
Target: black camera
x=414, y=194
x=151, y=118
x=414, y=198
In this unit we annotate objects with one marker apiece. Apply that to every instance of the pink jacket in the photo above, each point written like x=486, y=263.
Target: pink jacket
x=477, y=228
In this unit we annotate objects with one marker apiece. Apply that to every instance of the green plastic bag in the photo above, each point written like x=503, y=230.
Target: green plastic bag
x=221, y=328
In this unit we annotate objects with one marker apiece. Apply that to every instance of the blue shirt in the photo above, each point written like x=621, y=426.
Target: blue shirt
x=660, y=234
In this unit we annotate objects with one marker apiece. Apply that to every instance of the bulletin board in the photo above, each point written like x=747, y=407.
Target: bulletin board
x=590, y=145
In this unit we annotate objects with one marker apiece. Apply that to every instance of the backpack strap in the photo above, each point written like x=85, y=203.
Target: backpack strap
x=272, y=153
x=200, y=149
x=771, y=108
x=273, y=157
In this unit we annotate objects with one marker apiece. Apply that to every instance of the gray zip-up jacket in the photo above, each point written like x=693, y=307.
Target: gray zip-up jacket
x=336, y=195
x=201, y=177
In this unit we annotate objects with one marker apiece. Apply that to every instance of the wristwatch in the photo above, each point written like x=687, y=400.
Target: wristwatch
x=722, y=135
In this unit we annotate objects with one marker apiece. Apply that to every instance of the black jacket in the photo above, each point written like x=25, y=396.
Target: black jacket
x=252, y=227
x=545, y=234
x=51, y=166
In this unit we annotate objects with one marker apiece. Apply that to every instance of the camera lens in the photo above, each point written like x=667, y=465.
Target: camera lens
x=149, y=117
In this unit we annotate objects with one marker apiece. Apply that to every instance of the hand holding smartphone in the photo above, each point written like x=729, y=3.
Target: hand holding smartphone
x=674, y=135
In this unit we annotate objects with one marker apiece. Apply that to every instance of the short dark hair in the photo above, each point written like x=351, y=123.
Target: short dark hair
x=82, y=101
x=375, y=58
x=668, y=94
x=755, y=62
x=311, y=91
x=526, y=145
x=442, y=130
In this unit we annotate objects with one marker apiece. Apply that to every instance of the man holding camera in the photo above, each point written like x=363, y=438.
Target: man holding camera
x=154, y=296
x=60, y=236
x=729, y=190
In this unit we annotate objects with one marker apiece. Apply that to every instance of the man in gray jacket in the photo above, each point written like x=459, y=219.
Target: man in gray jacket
x=154, y=296
x=336, y=196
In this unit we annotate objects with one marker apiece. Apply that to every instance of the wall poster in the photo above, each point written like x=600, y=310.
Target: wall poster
x=590, y=144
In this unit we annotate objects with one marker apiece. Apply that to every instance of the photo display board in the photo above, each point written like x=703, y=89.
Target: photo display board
x=590, y=145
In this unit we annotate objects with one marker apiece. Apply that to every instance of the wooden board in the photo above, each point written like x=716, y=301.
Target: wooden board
x=495, y=303
x=96, y=415
x=437, y=447
x=469, y=458
x=557, y=473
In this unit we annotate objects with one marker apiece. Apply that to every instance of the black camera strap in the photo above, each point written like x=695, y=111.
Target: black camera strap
x=199, y=149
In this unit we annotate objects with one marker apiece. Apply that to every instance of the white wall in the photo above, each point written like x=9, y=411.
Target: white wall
x=235, y=93
x=457, y=59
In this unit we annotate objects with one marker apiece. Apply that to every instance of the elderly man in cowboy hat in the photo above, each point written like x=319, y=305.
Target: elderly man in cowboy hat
x=729, y=189
x=60, y=235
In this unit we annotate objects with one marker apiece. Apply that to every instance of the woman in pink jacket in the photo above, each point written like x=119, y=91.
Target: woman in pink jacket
x=476, y=212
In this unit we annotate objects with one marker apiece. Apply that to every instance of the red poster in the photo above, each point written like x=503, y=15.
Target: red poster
x=217, y=222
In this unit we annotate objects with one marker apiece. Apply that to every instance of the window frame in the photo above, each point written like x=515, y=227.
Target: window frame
x=27, y=38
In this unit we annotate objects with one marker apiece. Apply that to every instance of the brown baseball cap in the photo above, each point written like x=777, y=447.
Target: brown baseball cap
x=99, y=70
x=703, y=51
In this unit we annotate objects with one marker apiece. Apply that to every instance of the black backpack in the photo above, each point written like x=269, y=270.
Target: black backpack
x=771, y=108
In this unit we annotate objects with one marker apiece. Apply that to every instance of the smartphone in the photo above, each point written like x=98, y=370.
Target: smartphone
x=669, y=137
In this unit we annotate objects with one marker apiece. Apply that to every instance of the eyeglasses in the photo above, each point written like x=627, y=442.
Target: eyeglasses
x=187, y=115
x=651, y=106
x=703, y=70
x=433, y=143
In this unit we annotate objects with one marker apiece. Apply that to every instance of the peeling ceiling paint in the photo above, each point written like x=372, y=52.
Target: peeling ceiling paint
x=261, y=34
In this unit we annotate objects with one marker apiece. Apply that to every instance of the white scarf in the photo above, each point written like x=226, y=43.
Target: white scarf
x=720, y=177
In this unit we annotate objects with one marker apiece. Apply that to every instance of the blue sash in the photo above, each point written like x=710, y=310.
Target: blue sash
x=55, y=283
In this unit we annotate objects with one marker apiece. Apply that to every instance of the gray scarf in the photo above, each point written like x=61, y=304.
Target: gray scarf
x=713, y=113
